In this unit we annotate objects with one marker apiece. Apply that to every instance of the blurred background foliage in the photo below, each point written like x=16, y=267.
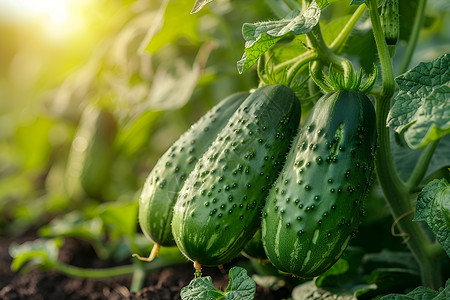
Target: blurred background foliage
x=92, y=92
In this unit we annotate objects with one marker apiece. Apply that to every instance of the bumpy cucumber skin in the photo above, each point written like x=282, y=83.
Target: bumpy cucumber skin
x=315, y=205
x=219, y=208
x=162, y=185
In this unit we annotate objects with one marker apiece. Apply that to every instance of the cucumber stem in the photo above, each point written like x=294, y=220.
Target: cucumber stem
x=394, y=189
x=421, y=166
x=418, y=21
x=339, y=41
x=113, y=271
x=151, y=257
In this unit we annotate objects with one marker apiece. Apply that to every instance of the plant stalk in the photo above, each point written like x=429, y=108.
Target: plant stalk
x=417, y=26
x=113, y=271
x=393, y=187
x=339, y=41
x=421, y=166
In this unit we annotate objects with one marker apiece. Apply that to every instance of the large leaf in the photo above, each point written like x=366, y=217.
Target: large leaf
x=309, y=290
x=421, y=108
x=433, y=207
x=422, y=293
x=240, y=287
x=261, y=36
x=172, y=21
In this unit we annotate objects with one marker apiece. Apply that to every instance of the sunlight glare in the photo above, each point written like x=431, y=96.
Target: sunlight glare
x=55, y=16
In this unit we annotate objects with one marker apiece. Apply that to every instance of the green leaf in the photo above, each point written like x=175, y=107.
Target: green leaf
x=340, y=267
x=199, y=5
x=422, y=293
x=261, y=36
x=41, y=252
x=308, y=290
x=240, y=286
x=433, y=207
x=172, y=21
x=421, y=108
x=357, y=2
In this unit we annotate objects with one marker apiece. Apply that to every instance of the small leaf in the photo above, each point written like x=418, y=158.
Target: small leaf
x=433, y=207
x=340, y=267
x=199, y=5
x=240, y=287
x=41, y=252
x=261, y=36
x=421, y=108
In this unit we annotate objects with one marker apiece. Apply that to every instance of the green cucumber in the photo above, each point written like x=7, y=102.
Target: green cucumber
x=162, y=185
x=91, y=155
x=316, y=203
x=219, y=208
x=390, y=21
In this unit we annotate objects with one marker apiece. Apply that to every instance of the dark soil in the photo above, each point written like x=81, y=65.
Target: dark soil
x=162, y=284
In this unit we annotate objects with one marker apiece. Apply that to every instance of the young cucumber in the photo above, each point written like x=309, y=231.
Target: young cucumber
x=162, y=185
x=315, y=205
x=219, y=208
x=91, y=154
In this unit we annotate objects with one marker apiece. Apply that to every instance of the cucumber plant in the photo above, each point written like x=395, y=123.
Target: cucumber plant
x=334, y=183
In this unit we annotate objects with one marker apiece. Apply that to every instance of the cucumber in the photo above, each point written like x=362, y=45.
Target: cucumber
x=91, y=154
x=162, y=185
x=316, y=203
x=219, y=207
x=390, y=21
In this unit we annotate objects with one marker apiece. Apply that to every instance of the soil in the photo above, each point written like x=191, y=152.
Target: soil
x=47, y=285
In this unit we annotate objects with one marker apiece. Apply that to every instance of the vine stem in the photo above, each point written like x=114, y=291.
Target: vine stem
x=418, y=21
x=394, y=189
x=113, y=271
x=343, y=35
x=421, y=166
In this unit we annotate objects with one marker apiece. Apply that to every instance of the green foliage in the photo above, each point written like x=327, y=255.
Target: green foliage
x=422, y=293
x=433, y=207
x=240, y=287
x=260, y=37
x=421, y=109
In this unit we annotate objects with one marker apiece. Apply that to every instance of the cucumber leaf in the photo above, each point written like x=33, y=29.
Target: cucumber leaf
x=421, y=108
x=422, y=293
x=261, y=36
x=199, y=5
x=433, y=207
x=241, y=286
x=40, y=252
x=172, y=21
